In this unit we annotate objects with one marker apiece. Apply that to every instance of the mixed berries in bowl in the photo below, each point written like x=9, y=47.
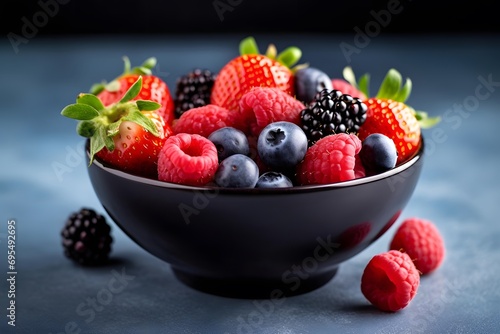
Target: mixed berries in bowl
x=263, y=176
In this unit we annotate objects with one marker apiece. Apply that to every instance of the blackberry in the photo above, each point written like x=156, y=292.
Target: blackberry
x=332, y=112
x=86, y=237
x=193, y=90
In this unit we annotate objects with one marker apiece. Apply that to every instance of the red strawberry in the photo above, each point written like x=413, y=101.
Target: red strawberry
x=347, y=88
x=153, y=88
x=251, y=69
x=127, y=135
x=395, y=120
x=136, y=149
x=388, y=113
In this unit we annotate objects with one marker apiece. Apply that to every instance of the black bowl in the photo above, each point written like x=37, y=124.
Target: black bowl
x=255, y=243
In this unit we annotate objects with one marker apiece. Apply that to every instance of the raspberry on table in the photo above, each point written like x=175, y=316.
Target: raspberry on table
x=261, y=106
x=421, y=240
x=390, y=281
x=203, y=120
x=188, y=159
x=331, y=159
x=86, y=237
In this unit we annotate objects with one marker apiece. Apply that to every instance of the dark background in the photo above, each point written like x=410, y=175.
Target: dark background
x=243, y=16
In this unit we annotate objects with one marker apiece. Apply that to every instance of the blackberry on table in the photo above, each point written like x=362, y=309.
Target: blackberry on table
x=193, y=90
x=332, y=112
x=86, y=237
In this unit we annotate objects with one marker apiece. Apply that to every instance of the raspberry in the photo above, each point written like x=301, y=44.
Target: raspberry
x=421, y=240
x=261, y=106
x=390, y=280
x=203, y=120
x=188, y=159
x=86, y=237
x=331, y=159
x=347, y=88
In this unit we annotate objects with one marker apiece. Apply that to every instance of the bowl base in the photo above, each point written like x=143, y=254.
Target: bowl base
x=251, y=288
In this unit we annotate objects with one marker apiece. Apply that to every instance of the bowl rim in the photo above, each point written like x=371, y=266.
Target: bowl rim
x=245, y=191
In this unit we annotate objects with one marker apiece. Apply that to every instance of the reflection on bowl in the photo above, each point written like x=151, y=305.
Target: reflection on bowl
x=255, y=243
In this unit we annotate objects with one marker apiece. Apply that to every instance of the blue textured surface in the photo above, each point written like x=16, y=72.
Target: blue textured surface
x=458, y=190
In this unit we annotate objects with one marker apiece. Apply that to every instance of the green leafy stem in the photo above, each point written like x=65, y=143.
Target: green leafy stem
x=146, y=68
x=101, y=124
x=289, y=57
x=392, y=88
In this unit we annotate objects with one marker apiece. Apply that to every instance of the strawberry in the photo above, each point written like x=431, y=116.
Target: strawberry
x=347, y=88
x=389, y=114
x=127, y=134
x=397, y=121
x=153, y=88
x=251, y=69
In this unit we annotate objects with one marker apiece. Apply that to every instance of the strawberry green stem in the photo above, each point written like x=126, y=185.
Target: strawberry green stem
x=288, y=57
x=390, y=88
x=248, y=46
x=146, y=68
x=101, y=124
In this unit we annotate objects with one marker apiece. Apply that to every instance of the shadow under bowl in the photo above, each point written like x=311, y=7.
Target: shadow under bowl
x=255, y=243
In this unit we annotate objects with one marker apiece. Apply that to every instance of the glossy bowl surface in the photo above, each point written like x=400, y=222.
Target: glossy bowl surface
x=255, y=243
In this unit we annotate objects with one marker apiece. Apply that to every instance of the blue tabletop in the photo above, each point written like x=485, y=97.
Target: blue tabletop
x=455, y=77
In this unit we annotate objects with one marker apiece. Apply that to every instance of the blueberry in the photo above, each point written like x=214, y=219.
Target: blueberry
x=237, y=171
x=229, y=141
x=273, y=180
x=378, y=153
x=282, y=145
x=309, y=81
